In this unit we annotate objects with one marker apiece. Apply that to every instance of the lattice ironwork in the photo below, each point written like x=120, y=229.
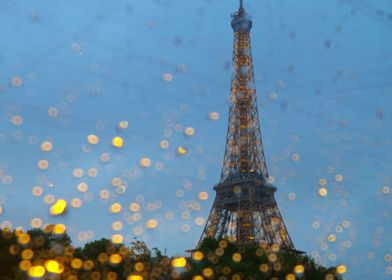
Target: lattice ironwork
x=244, y=156
x=245, y=209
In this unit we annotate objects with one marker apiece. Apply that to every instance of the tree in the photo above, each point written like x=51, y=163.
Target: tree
x=224, y=260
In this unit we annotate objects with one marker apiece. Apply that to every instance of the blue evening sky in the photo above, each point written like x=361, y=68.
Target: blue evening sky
x=323, y=74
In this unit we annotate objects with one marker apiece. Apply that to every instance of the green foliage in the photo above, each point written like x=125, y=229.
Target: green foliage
x=251, y=261
x=101, y=259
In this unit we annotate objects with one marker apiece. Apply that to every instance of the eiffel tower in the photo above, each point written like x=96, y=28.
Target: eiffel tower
x=245, y=209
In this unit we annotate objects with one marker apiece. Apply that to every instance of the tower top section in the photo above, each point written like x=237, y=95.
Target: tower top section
x=241, y=20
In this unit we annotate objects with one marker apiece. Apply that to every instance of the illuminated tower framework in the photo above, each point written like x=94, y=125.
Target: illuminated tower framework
x=245, y=208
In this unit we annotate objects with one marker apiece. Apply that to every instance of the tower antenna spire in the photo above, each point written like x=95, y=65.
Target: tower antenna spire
x=241, y=10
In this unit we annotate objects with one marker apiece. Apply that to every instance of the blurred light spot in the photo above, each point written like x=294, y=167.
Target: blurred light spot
x=291, y=196
x=164, y=144
x=178, y=262
x=88, y=265
x=299, y=269
x=117, y=142
x=290, y=276
x=386, y=190
x=117, y=225
x=295, y=157
x=181, y=151
x=273, y=96
x=139, y=266
x=49, y=199
x=37, y=191
x=341, y=269
x=93, y=139
x=6, y=224
x=37, y=271
x=43, y=164
x=121, y=189
x=264, y=267
x=145, y=162
x=82, y=187
x=115, y=258
x=138, y=230
x=76, y=263
x=134, y=207
x=189, y=131
x=16, y=81
x=197, y=255
x=76, y=203
x=115, y=208
x=152, y=223
x=59, y=228
x=167, y=77
x=7, y=179
x=46, y=146
x=104, y=194
x=323, y=192
x=36, y=223
x=134, y=277
x=78, y=172
x=25, y=265
x=236, y=257
x=92, y=172
x=178, y=127
x=53, y=267
x=59, y=207
x=53, y=112
x=180, y=193
x=208, y=272
x=185, y=228
x=213, y=116
x=322, y=182
x=346, y=224
x=338, y=177
x=199, y=221
x=272, y=257
x=117, y=238
x=123, y=125
x=23, y=238
x=17, y=120
x=159, y=166
x=116, y=181
x=331, y=238
x=105, y=157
